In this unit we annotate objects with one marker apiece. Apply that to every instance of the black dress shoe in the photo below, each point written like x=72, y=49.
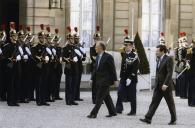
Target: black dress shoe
x=12, y=104
x=48, y=100
x=172, y=122
x=74, y=103
x=78, y=99
x=16, y=104
x=39, y=104
x=68, y=103
x=131, y=114
x=119, y=112
x=91, y=116
x=145, y=120
x=45, y=104
x=32, y=99
x=111, y=115
x=58, y=98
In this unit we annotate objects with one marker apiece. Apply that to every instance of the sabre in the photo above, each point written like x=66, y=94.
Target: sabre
x=32, y=39
x=3, y=38
x=52, y=39
x=182, y=72
x=108, y=41
x=25, y=38
x=59, y=40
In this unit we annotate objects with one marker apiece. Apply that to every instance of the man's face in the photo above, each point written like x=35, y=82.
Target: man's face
x=21, y=38
x=14, y=37
x=42, y=39
x=98, y=48
x=128, y=47
x=159, y=53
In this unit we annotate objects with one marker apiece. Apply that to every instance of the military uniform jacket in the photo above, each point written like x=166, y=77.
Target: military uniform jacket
x=129, y=70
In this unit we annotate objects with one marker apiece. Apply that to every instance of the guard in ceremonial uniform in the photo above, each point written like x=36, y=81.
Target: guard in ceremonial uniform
x=31, y=66
x=49, y=80
x=23, y=66
x=191, y=90
x=40, y=57
x=181, y=67
x=12, y=58
x=2, y=43
x=93, y=55
x=81, y=54
x=58, y=65
x=70, y=58
x=128, y=76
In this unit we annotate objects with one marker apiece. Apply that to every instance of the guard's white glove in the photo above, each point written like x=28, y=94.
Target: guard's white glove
x=48, y=51
x=25, y=57
x=18, y=58
x=128, y=82
x=60, y=59
x=54, y=51
x=78, y=52
x=46, y=59
x=187, y=65
x=0, y=51
x=83, y=50
x=28, y=50
x=75, y=59
x=21, y=51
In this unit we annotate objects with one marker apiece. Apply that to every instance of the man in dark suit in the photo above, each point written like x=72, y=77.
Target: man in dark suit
x=163, y=83
x=105, y=76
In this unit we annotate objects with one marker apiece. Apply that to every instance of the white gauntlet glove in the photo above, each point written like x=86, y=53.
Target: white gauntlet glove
x=0, y=51
x=18, y=58
x=75, y=59
x=25, y=57
x=46, y=59
x=128, y=82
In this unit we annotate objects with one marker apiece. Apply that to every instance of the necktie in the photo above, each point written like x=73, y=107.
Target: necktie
x=158, y=63
x=97, y=61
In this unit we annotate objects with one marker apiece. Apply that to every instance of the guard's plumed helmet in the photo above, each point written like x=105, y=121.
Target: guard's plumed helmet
x=76, y=35
x=97, y=35
x=162, y=38
x=69, y=35
x=20, y=32
x=127, y=38
x=41, y=33
x=12, y=31
x=48, y=35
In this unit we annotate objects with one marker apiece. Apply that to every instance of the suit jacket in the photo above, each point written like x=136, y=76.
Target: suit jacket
x=105, y=73
x=164, y=73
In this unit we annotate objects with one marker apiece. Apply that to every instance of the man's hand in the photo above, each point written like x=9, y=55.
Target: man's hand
x=164, y=87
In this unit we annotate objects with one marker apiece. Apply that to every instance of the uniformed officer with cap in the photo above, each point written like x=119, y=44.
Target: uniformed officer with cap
x=2, y=43
x=12, y=58
x=58, y=64
x=128, y=76
x=70, y=58
x=40, y=58
x=81, y=54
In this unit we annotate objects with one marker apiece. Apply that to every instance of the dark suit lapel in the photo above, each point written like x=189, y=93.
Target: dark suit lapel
x=162, y=62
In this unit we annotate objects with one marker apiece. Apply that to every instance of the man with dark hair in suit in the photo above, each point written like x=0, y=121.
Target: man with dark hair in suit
x=105, y=76
x=163, y=83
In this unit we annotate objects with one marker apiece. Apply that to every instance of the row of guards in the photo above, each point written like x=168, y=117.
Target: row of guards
x=31, y=71
x=184, y=67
